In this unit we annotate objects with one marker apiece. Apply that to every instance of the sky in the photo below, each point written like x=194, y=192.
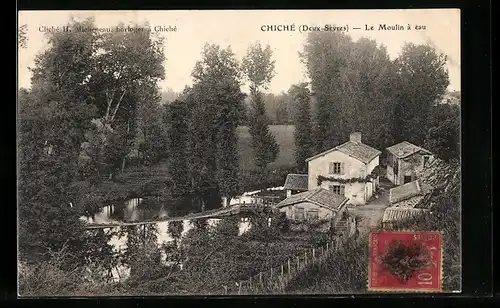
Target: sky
x=241, y=28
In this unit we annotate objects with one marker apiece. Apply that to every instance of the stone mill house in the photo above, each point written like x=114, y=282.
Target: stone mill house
x=349, y=169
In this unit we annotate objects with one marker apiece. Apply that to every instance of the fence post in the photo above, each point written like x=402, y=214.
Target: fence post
x=282, y=269
x=271, y=273
x=289, y=267
x=321, y=250
x=327, y=247
x=298, y=264
x=239, y=288
x=314, y=255
x=305, y=257
x=260, y=279
x=250, y=282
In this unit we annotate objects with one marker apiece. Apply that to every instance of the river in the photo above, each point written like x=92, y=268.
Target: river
x=134, y=210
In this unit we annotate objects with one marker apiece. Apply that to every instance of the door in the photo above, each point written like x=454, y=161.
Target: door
x=407, y=179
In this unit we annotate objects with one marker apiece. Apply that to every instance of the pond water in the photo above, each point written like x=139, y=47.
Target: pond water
x=135, y=210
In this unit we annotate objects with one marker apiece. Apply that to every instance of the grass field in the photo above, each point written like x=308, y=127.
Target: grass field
x=284, y=138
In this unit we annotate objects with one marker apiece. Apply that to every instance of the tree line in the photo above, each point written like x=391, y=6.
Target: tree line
x=355, y=86
x=94, y=108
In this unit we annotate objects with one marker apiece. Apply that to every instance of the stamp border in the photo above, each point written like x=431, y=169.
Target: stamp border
x=402, y=290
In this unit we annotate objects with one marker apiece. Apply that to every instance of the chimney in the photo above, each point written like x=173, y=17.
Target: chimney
x=355, y=137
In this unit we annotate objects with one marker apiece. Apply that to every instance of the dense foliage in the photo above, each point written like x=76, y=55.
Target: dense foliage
x=358, y=88
x=303, y=127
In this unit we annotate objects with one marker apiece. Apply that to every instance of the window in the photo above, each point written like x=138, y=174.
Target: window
x=299, y=213
x=338, y=189
x=336, y=168
x=313, y=214
x=426, y=160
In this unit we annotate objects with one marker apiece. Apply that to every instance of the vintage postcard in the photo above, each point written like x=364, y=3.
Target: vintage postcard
x=239, y=152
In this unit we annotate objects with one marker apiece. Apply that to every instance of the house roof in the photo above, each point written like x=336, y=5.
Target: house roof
x=400, y=214
x=358, y=150
x=296, y=181
x=319, y=196
x=405, y=191
x=405, y=149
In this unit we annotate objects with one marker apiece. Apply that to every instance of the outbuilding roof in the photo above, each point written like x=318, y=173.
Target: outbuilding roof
x=408, y=191
x=405, y=149
x=401, y=214
x=296, y=181
x=358, y=150
x=319, y=196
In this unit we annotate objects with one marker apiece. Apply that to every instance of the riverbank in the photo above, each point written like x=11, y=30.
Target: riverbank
x=196, y=259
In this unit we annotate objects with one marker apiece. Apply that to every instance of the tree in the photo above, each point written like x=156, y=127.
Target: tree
x=53, y=118
x=368, y=100
x=216, y=106
x=196, y=246
x=125, y=69
x=176, y=118
x=302, y=121
x=143, y=254
x=423, y=79
x=153, y=135
x=325, y=56
x=443, y=138
x=284, y=109
x=259, y=70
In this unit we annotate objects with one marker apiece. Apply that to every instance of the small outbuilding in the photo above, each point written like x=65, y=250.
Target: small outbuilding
x=397, y=215
x=405, y=161
x=315, y=206
x=295, y=183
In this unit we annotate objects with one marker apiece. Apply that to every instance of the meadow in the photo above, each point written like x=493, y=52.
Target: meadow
x=284, y=138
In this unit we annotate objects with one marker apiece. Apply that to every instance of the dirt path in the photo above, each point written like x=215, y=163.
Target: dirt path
x=370, y=215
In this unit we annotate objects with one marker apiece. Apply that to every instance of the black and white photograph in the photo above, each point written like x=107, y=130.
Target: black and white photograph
x=238, y=152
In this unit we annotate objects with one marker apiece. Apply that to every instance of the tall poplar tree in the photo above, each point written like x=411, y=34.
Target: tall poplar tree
x=176, y=118
x=258, y=68
x=302, y=120
x=217, y=108
x=324, y=55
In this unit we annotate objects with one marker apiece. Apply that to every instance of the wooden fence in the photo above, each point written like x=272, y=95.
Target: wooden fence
x=276, y=279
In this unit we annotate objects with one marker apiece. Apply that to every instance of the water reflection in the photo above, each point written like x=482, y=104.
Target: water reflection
x=133, y=210
x=166, y=232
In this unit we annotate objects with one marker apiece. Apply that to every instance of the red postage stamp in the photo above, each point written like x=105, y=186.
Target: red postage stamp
x=405, y=261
